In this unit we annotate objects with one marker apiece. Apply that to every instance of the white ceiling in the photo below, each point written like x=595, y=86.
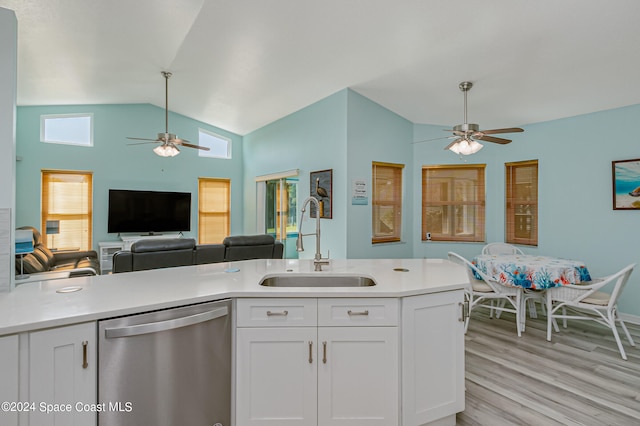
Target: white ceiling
x=241, y=64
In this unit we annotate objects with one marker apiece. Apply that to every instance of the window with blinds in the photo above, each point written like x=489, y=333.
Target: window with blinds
x=522, y=202
x=453, y=202
x=214, y=210
x=386, y=200
x=67, y=209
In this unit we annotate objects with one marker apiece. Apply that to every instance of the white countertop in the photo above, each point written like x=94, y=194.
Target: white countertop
x=37, y=305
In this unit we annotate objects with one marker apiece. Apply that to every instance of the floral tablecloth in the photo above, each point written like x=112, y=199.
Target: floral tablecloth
x=534, y=272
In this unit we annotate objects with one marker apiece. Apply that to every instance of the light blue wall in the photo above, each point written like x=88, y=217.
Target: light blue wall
x=576, y=219
x=344, y=132
x=376, y=134
x=311, y=139
x=117, y=165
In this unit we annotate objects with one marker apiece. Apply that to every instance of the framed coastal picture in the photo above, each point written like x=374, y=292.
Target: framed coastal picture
x=626, y=184
x=321, y=187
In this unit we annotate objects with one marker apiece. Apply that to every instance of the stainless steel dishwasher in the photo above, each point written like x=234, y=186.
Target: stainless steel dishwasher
x=169, y=367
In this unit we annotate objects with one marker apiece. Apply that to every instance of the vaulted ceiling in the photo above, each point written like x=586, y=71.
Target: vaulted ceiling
x=241, y=64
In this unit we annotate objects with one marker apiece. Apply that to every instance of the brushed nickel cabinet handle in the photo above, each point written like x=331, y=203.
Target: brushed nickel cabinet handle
x=363, y=313
x=85, y=362
x=277, y=314
x=324, y=352
x=464, y=311
x=310, y=352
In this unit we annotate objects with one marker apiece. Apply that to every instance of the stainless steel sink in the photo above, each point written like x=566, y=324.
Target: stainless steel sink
x=297, y=280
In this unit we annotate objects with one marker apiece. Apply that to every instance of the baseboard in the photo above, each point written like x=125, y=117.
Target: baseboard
x=632, y=319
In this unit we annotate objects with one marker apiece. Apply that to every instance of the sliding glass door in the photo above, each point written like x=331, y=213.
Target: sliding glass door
x=280, y=213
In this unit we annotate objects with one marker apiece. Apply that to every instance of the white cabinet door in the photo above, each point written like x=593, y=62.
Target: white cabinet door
x=358, y=376
x=9, y=379
x=276, y=376
x=62, y=370
x=291, y=372
x=432, y=357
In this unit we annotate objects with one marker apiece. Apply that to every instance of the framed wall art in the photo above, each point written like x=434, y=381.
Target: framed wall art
x=626, y=184
x=321, y=188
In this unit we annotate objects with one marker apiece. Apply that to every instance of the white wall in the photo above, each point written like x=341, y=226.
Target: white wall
x=8, y=71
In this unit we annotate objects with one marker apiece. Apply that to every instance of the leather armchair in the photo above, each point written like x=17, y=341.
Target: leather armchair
x=42, y=260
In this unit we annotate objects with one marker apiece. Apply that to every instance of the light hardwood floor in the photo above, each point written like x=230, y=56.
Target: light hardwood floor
x=578, y=378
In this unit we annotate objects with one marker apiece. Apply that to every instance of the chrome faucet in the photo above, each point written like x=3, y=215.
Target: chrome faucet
x=317, y=260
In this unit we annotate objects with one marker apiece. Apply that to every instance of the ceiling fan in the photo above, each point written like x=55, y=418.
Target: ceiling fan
x=467, y=135
x=168, y=141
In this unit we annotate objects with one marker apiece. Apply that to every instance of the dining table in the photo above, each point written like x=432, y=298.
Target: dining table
x=532, y=271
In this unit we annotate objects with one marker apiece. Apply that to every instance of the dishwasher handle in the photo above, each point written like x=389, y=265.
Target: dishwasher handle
x=154, y=327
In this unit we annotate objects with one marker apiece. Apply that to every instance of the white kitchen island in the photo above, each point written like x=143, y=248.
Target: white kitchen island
x=401, y=363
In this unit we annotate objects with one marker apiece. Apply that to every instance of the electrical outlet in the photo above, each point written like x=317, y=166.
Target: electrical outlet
x=428, y=236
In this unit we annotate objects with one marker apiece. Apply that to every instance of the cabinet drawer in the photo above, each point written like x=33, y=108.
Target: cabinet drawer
x=358, y=312
x=277, y=312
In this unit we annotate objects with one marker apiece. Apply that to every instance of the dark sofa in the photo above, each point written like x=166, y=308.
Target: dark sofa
x=245, y=247
x=167, y=253
x=42, y=260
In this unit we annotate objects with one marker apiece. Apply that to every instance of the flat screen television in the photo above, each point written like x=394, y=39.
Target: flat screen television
x=149, y=212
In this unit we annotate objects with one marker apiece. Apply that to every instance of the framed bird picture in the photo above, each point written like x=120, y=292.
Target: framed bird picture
x=320, y=187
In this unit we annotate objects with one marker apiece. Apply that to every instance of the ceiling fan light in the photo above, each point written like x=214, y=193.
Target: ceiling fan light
x=161, y=151
x=166, y=150
x=466, y=147
x=474, y=146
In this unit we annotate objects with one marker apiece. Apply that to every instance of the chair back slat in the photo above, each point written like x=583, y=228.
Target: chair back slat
x=621, y=279
x=501, y=248
x=471, y=268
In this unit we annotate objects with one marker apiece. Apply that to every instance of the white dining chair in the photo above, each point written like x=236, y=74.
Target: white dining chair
x=501, y=248
x=483, y=292
x=587, y=302
x=505, y=248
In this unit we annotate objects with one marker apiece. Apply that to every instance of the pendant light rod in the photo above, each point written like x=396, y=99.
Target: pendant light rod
x=167, y=75
x=465, y=86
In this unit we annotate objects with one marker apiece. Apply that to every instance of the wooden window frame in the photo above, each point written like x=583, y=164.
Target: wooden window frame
x=516, y=208
x=80, y=242
x=203, y=215
x=478, y=203
x=396, y=203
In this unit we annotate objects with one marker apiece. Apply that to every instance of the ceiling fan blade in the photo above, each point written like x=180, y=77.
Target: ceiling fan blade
x=496, y=131
x=453, y=143
x=435, y=139
x=144, y=139
x=144, y=143
x=493, y=139
x=190, y=145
